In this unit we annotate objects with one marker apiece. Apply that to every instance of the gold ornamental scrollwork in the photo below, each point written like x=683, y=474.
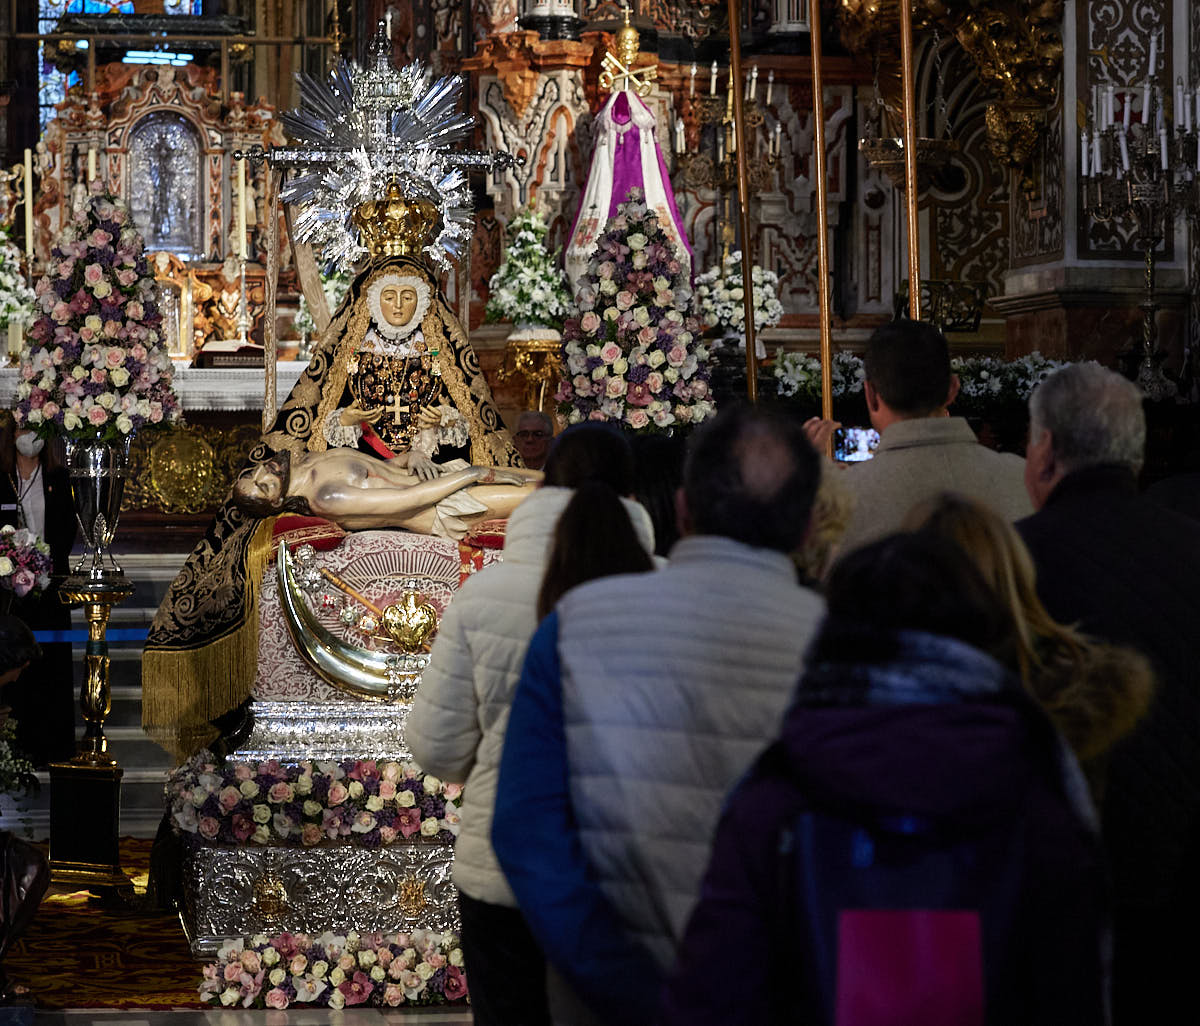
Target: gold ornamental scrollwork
x=1015, y=45
x=412, y=896
x=538, y=363
x=184, y=468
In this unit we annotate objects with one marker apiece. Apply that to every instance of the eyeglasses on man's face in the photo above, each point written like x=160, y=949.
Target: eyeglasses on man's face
x=527, y=436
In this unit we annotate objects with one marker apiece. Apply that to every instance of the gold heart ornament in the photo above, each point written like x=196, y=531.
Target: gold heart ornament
x=410, y=623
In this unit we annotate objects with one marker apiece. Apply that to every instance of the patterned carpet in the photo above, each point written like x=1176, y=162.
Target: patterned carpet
x=76, y=954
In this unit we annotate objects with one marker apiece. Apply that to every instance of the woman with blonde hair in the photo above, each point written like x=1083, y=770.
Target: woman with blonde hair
x=1094, y=693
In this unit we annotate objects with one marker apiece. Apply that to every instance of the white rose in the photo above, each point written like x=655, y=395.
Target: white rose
x=425, y=970
x=107, y=400
x=456, y=956
x=432, y=784
x=277, y=977
x=337, y=1000
x=355, y=788
x=270, y=957
x=336, y=975
x=124, y=424
x=6, y=566
x=429, y=827
x=119, y=376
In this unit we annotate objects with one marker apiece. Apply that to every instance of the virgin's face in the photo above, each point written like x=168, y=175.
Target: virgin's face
x=398, y=303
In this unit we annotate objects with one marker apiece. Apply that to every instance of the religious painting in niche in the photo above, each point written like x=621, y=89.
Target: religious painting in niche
x=164, y=172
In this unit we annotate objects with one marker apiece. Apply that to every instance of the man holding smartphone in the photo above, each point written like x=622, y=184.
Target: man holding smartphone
x=922, y=449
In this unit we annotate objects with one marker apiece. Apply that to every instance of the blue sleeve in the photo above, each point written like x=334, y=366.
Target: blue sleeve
x=536, y=840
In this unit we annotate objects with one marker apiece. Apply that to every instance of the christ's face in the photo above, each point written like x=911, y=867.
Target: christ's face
x=398, y=303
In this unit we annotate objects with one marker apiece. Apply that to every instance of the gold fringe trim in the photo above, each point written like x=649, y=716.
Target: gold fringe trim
x=183, y=691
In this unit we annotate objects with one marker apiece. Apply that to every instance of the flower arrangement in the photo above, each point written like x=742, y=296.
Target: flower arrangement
x=16, y=298
x=330, y=971
x=363, y=802
x=988, y=383
x=24, y=561
x=721, y=293
x=96, y=366
x=16, y=771
x=632, y=355
x=798, y=375
x=529, y=288
x=334, y=286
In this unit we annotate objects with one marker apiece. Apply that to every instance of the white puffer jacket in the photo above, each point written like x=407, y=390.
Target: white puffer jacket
x=456, y=727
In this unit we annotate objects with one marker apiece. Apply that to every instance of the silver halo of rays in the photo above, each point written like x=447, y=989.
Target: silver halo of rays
x=362, y=127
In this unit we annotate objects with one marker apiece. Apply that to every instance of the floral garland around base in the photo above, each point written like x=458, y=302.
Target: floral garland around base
x=330, y=971
x=360, y=801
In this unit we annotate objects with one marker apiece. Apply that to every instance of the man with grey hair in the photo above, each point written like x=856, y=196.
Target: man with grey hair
x=532, y=438
x=1126, y=570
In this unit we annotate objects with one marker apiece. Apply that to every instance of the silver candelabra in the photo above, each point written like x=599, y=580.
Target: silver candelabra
x=1145, y=168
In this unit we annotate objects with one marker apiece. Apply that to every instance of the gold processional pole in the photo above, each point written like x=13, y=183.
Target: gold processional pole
x=743, y=192
x=814, y=35
x=910, y=161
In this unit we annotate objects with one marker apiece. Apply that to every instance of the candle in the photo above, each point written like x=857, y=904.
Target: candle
x=1146, y=103
x=1127, y=105
x=1178, y=112
x=91, y=163
x=754, y=82
x=1187, y=114
x=1083, y=154
x=1153, y=63
x=1108, y=105
x=778, y=135
x=770, y=86
x=1097, y=164
x=720, y=147
x=1162, y=147
x=1124, y=152
x=241, y=209
x=1198, y=106
x=692, y=80
x=712, y=80
x=732, y=140
x=679, y=147
x=29, y=205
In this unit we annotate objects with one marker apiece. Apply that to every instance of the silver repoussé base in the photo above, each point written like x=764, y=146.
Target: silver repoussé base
x=232, y=892
x=238, y=892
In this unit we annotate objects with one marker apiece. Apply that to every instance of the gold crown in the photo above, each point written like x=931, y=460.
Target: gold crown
x=393, y=225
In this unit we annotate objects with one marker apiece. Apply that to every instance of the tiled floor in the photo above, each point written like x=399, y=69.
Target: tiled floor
x=303, y=1017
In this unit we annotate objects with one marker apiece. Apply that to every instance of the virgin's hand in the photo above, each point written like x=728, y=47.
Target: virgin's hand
x=429, y=417
x=355, y=414
x=423, y=467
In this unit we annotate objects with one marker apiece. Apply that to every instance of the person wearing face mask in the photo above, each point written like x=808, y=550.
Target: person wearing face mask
x=35, y=493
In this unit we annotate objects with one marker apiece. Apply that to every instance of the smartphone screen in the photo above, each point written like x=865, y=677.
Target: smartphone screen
x=854, y=444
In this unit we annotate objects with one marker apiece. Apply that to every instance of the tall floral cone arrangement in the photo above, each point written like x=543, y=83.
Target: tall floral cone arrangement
x=16, y=298
x=633, y=353
x=96, y=366
x=529, y=289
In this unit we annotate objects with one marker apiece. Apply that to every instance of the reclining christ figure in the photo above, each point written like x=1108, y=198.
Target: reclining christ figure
x=359, y=492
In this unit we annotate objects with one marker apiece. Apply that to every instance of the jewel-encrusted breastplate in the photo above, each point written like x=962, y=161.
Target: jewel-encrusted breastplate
x=401, y=386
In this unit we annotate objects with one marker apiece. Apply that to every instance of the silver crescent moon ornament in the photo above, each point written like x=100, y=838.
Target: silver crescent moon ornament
x=377, y=676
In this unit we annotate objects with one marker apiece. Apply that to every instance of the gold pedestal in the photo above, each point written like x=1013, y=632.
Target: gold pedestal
x=85, y=793
x=538, y=360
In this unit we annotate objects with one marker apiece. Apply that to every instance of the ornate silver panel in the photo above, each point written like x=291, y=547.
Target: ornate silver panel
x=238, y=892
x=294, y=731
x=164, y=165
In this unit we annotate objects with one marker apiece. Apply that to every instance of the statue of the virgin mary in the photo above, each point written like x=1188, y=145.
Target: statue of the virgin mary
x=392, y=374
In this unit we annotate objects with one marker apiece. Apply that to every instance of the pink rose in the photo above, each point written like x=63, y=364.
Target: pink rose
x=387, y=834
x=625, y=299
x=654, y=381
x=138, y=352
x=228, y=798
x=99, y=375
x=276, y=998
x=454, y=986
x=23, y=582
x=637, y=419
x=408, y=822
x=437, y=960
x=385, y=956
x=393, y=995
x=135, y=310
x=97, y=416
x=242, y=771
x=610, y=352
x=346, y=963
x=250, y=961
x=298, y=965
x=114, y=357
x=387, y=790
x=99, y=239
x=452, y=791
x=127, y=276
x=615, y=388
x=676, y=356
x=61, y=312
x=337, y=793
x=280, y=793
x=233, y=972
x=93, y=274
x=647, y=336
x=310, y=834
x=66, y=269
x=50, y=410
x=589, y=323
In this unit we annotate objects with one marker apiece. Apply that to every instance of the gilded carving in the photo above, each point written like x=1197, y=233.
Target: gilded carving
x=185, y=469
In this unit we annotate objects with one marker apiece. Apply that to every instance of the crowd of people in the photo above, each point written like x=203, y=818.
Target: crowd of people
x=915, y=741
